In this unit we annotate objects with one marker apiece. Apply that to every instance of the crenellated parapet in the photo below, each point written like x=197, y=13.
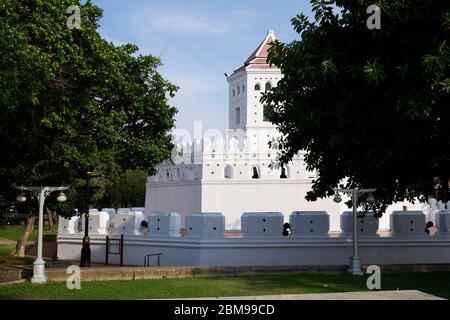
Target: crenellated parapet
x=309, y=223
x=368, y=224
x=268, y=225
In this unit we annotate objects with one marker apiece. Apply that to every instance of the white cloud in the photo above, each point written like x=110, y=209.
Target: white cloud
x=182, y=23
x=191, y=86
x=171, y=21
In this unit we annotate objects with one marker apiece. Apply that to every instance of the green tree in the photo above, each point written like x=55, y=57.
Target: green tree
x=371, y=106
x=72, y=102
x=126, y=190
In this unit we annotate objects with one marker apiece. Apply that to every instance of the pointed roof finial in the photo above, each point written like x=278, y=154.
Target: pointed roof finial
x=271, y=32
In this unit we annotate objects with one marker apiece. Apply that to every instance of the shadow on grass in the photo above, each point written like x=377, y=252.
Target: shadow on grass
x=300, y=284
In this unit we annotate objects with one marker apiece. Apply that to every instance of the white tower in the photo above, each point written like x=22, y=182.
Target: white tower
x=246, y=86
x=238, y=173
x=246, y=112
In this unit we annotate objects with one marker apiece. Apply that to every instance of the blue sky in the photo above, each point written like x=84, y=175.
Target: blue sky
x=198, y=41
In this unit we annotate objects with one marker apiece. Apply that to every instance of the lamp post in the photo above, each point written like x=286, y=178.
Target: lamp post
x=355, y=260
x=85, y=260
x=40, y=192
x=437, y=187
x=445, y=198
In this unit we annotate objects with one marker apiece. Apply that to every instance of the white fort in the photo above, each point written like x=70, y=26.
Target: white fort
x=216, y=183
x=237, y=173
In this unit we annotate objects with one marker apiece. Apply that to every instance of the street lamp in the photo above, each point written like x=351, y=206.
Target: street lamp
x=337, y=198
x=355, y=260
x=40, y=192
x=61, y=197
x=21, y=197
x=437, y=186
x=445, y=194
x=85, y=259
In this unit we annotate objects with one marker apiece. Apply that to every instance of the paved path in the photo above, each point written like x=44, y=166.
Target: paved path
x=102, y=273
x=8, y=281
x=10, y=274
x=6, y=241
x=365, y=295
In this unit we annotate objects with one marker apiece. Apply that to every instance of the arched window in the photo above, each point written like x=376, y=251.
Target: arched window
x=234, y=93
x=239, y=89
x=255, y=173
x=257, y=87
x=268, y=86
x=243, y=88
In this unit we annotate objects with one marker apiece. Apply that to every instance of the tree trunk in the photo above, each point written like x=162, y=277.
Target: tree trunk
x=29, y=226
x=50, y=219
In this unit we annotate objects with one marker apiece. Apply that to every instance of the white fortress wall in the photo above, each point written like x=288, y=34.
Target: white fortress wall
x=263, y=252
x=182, y=197
x=262, y=246
x=236, y=197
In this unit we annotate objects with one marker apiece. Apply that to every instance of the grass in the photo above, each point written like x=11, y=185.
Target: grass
x=6, y=259
x=433, y=283
x=14, y=232
x=6, y=249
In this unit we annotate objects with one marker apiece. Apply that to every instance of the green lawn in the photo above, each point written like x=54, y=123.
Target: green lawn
x=6, y=249
x=6, y=259
x=14, y=233
x=434, y=283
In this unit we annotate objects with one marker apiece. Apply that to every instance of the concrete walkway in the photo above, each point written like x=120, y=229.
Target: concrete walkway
x=8, y=281
x=6, y=241
x=365, y=295
x=102, y=273
x=10, y=274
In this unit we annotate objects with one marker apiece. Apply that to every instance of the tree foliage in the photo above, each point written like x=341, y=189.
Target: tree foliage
x=72, y=102
x=370, y=107
x=127, y=190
